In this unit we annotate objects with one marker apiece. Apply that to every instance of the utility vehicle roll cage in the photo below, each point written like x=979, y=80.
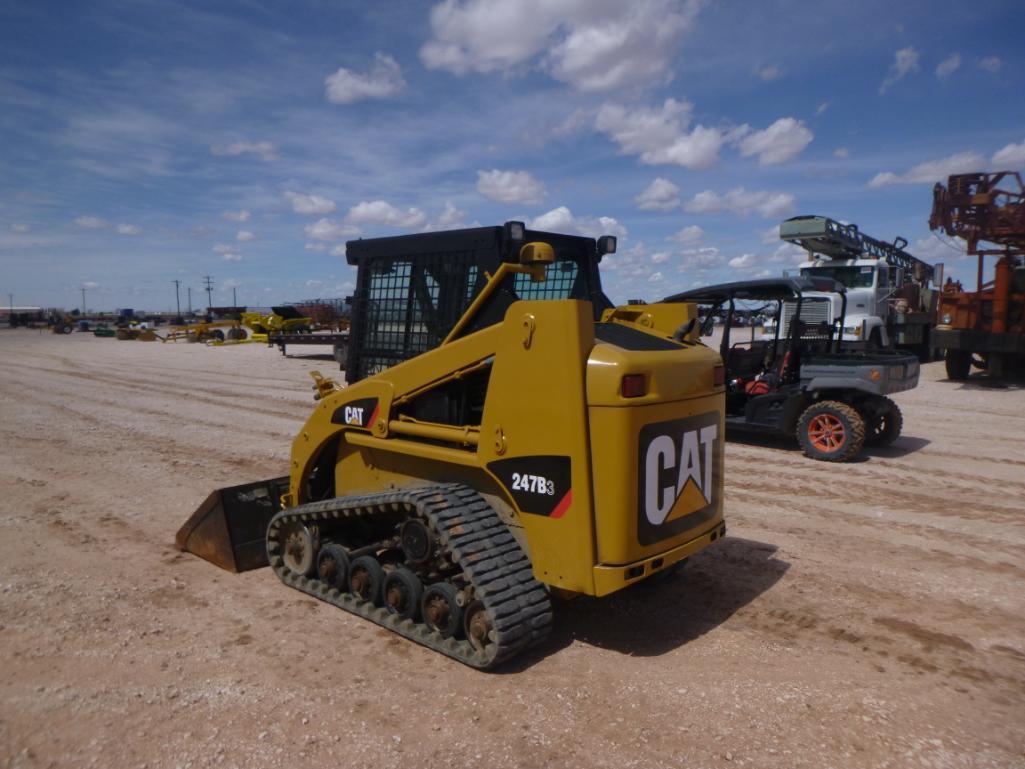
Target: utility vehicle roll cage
x=824, y=337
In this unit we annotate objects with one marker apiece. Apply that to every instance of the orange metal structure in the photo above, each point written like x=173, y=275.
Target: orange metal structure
x=986, y=326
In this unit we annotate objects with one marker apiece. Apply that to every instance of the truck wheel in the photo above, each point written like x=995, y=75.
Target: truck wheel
x=341, y=353
x=831, y=431
x=959, y=364
x=884, y=429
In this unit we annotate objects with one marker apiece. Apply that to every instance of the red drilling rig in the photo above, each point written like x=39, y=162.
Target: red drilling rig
x=985, y=327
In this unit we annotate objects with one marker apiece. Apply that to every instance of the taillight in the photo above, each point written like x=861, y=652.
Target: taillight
x=719, y=375
x=634, y=386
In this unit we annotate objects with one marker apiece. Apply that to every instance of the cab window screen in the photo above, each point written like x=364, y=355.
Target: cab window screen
x=560, y=283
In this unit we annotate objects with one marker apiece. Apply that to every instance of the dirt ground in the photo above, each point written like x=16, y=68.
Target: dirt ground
x=866, y=615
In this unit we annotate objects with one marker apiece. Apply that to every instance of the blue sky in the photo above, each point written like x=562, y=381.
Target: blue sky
x=144, y=142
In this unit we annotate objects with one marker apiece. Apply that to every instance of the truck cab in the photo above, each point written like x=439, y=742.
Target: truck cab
x=870, y=285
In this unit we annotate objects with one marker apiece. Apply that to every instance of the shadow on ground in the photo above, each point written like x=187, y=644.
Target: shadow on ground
x=902, y=447
x=656, y=617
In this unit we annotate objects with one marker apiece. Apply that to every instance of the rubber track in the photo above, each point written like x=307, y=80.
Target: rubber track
x=475, y=538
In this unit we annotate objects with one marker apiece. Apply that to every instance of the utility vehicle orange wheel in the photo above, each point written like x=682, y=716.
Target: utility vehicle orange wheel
x=831, y=431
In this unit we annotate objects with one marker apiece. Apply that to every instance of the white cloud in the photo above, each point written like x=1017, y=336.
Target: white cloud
x=660, y=195
x=1011, y=155
x=339, y=250
x=245, y=236
x=655, y=277
x=688, y=235
x=315, y=247
x=380, y=212
x=789, y=253
x=236, y=216
x=769, y=234
x=128, y=229
x=384, y=79
x=769, y=205
x=661, y=256
x=782, y=141
x=700, y=259
x=19, y=228
x=228, y=253
x=821, y=109
x=589, y=45
x=90, y=284
x=841, y=152
x=450, y=218
x=310, y=204
x=744, y=262
x=948, y=66
x=329, y=229
x=659, y=136
x=266, y=150
x=768, y=72
x=562, y=220
x=91, y=222
x=933, y=248
x=991, y=64
x=932, y=171
x=510, y=186
x=905, y=61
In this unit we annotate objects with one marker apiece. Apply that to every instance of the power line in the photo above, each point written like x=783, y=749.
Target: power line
x=177, y=301
x=209, y=292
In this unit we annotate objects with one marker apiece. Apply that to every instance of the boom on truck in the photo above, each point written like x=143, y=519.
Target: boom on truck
x=985, y=327
x=507, y=435
x=891, y=295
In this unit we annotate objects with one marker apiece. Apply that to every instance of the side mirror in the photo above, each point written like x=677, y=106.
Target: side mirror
x=606, y=245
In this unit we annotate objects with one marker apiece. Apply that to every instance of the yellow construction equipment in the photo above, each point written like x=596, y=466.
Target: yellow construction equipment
x=507, y=436
x=281, y=320
x=206, y=331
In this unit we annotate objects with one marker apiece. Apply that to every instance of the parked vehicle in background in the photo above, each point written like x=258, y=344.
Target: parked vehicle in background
x=984, y=327
x=805, y=380
x=891, y=295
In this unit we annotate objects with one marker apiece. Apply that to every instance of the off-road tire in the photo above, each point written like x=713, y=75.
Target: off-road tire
x=884, y=429
x=959, y=365
x=831, y=431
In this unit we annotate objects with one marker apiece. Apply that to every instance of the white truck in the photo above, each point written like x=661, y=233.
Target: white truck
x=891, y=295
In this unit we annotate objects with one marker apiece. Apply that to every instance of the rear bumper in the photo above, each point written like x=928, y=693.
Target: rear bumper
x=609, y=579
x=978, y=341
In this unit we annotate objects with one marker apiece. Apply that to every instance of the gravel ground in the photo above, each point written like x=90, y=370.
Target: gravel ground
x=865, y=615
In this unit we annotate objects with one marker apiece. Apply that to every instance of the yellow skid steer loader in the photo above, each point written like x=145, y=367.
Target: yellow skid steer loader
x=506, y=436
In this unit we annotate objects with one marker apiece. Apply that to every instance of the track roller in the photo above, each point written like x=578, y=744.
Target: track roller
x=333, y=566
x=441, y=610
x=366, y=579
x=402, y=593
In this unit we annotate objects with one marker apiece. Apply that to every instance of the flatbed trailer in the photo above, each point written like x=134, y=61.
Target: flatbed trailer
x=339, y=343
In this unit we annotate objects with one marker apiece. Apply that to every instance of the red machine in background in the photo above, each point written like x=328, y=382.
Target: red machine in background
x=985, y=327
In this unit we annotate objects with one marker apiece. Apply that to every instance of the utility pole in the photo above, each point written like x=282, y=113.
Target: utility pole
x=209, y=293
x=234, y=298
x=83, y=300
x=177, y=301
x=190, y=300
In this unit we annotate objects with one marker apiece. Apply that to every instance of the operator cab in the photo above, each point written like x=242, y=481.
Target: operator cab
x=411, y=290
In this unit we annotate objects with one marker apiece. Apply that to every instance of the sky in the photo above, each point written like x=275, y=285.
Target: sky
x=146, y=142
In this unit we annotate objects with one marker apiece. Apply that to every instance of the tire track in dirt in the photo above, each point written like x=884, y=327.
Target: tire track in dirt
x=223, y=400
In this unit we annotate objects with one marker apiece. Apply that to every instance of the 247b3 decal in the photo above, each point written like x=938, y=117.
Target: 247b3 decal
x=539, y=484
